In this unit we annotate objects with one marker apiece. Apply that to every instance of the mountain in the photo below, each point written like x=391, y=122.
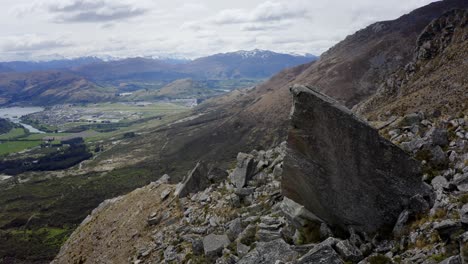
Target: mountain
x=434, y=80
x=243, y=64
x=256, y=64
x=45, y=88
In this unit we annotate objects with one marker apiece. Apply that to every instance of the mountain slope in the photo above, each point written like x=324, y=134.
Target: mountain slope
x=436, y=77
x=43, y=88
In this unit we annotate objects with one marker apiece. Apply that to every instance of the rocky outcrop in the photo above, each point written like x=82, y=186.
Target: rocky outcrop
x=342, y=170
x=199, y=179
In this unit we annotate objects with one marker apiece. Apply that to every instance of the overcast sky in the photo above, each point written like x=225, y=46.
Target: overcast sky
x=34, y=29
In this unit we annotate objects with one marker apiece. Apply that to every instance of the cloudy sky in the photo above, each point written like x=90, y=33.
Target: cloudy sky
x=38, y=29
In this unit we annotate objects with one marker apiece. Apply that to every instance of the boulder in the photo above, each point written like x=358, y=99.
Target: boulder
x=342, y=170
x=297, y=213
x=213, y=245
x=437, y=136
x=244, y=171
x=451, y=260
x=195, y=181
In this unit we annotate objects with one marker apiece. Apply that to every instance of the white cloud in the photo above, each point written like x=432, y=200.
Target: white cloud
x=189, y=27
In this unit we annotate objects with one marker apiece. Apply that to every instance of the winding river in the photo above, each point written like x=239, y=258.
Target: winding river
x=15, y=113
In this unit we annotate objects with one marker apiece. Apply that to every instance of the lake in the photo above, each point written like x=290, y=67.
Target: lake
x=15, y=113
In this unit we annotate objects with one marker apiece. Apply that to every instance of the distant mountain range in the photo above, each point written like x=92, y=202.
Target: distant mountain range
x=44, y=80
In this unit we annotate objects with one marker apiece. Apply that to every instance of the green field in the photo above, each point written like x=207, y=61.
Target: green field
x=14, y=133
x=8, y=147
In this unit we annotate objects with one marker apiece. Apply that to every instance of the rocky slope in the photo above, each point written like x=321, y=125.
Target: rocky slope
x=436, y=77
x=245, y=219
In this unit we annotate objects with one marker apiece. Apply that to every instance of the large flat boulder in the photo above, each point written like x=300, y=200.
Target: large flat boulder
x=342, y=170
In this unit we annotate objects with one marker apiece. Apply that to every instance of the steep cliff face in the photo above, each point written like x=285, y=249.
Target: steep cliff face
x=435, y=78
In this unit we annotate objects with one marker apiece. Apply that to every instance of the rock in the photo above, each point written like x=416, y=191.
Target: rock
x=170, y=254
x=242, y=249
x=278, y=171
x=399, y=228
x=418, y=204
x=348, y=165
x=165, y=193
x=265, y=235
x=164, y=179
x=461, y=181
x=451, y=260
x=438, y=156
x=269, y=252
x=464, y=214
x=325, y=231
x=348, y=251
x=217, y=175
x=321, y=254
x=439, y=183
x=464, y=248
x=234, y=229
x=213, y=245
x=197, y=247
x=297, y=213
x=195, y=181
x=437, y=136
x=411, y=119
x=154, y=220
x=446, y=228
x=244, y=171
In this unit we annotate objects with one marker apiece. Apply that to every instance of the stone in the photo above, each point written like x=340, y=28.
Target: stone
x=451, y=260
x=165, y=193
x=244, y=171
x=336, y=162
x=320, y=254
x=399, y=228
x=411, y=119
x=269, y=252
x=265, y=235
x=234, y=229
x=297, y=213
x=217, y=175
x=195, y=181
x=437, y=136
x=464, y=214
x=446, y=228
x=417, y=204
x=197, y=247
x=242, y=249
x=439, y=183
x=325, y=231
x=348, y=251
x=438, y=156
x=464, y=248
x=213, y=245
x=164, y=179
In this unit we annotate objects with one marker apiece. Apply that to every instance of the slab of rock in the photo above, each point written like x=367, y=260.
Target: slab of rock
x=213, y=245
x=342, y=170
x=245, y=170
x=196, y=180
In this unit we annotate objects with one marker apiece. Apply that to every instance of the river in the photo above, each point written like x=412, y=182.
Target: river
x=15, y=113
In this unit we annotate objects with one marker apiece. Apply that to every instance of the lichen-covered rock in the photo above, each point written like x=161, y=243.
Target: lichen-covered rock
x=342, y=170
